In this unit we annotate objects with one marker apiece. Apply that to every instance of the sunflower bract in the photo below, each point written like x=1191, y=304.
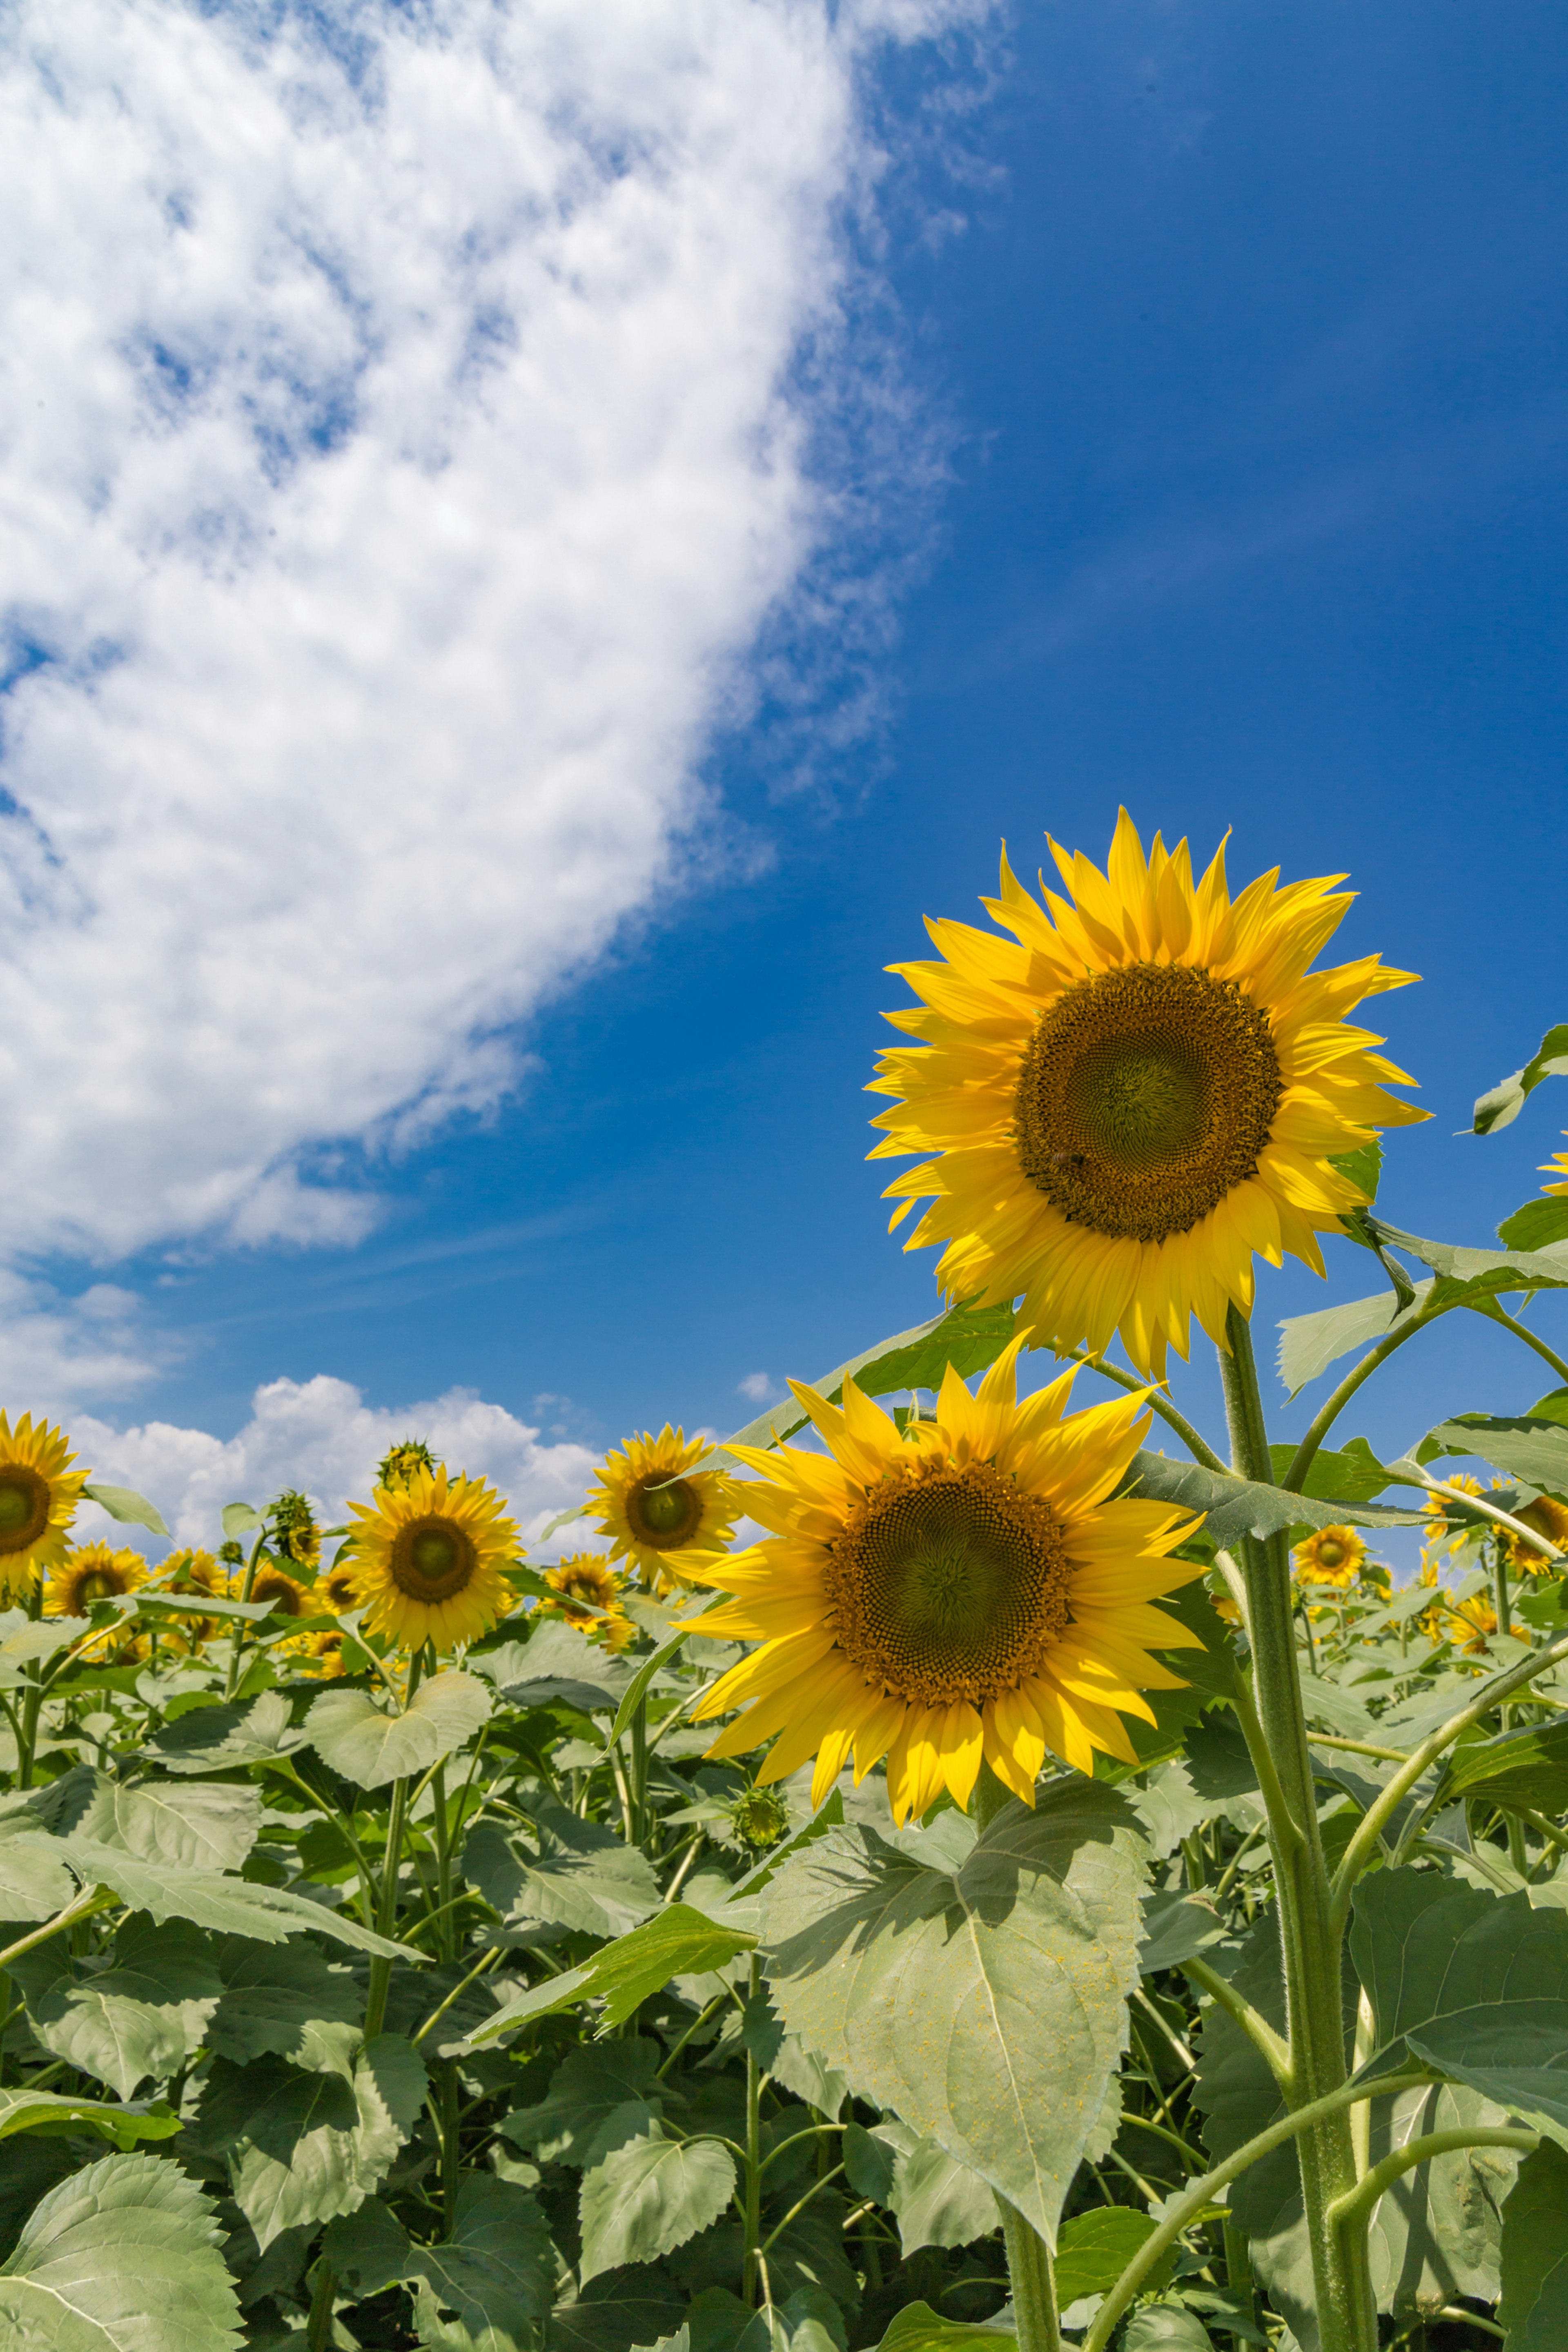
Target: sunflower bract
x=1134, y=1096
x=966, y=1589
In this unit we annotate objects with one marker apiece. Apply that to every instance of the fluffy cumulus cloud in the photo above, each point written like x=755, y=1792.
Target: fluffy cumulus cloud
x=321, y=1436
x=403, y=441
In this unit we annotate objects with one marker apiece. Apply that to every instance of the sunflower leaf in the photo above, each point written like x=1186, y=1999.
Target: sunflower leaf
x=1535, y=1451
x=579, y=1876
x=1501, y=1103
x=982, y=1997
x=195, y=1824
x=122, y=2257
x=649, y=2196
x=677, y=1941
x=217, y=1738
x=53, y=2113
x=144, y=2014
x=1520, y=1771
x=124, y=1504
x=1234, y=1507
x=1537, y=1226
x=1534, y=2303
x=360, y=1741
x=301, y=2147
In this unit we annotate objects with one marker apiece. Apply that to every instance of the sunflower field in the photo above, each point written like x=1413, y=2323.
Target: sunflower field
x=969, y=1857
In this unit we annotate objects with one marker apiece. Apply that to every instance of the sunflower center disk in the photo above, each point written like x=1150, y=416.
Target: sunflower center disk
x=23, y=1508
x=949, y=1585
x=1145, y=1096
x=665, y=1513
x=432, y=1559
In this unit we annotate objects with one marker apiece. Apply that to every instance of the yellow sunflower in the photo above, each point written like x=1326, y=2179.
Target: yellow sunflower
x=287, y=1598
x=1471, y=1623
x=585, y=1576
x=400, y=1461
x=661, y=1512
x=428, y=1558
x=38, y=1499
x=1437, y=1529
x=93, y=1571
x=324, y=1652
x=1556, y=1166
x=1330, y=1556
x=195, y=1572
x=337, y=1589
x=294, y=1528
x=1549, y=1517
x=1134, y=1096
x=966, y=1589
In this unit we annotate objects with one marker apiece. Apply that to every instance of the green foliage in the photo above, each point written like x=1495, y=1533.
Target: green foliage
x=649, y=2195
x=122, y=2257
x=367, y=1743
x=1501, y=1103
x=1534, y=2301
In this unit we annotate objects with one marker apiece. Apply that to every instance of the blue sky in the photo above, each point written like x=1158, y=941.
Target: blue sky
x=1241, y=337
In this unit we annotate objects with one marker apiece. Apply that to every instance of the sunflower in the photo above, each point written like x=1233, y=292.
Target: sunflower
x=294, y=1528
x=429, y=1557
x=323, y=1652
x=287, y=1598
x=966, y=1589
x=586, y=1577
x=1437, y=1529
x=400, y=1461
x=1134, y=1096
x=93, y=1571
x=1556, y=1166
x=338, y=1589
x=38, y=1499
x=1330, y=1556
x=1471, y=1622
x=1549, y=1517
x=195, y=1572
x=661, y=1512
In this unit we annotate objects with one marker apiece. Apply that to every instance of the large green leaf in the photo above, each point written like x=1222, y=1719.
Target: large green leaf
x=1535, y=1226
x=649, y=2196
x=1427, y=1951
x=1167, y=2327
x=935, y=2201
x=976, y=1987
x=53, y=2112
x=677, y=1941
x=1234, y=1507
x=1501, y=1103
x=286, y=2001
x=219, y=1738
x=1096, y=2247
x=615, y=2311
x=195, y=1824
x=1514, y=2053
x=24, y=1641
x=124, y=1504
x=34, y=1881
x=1520, y=1769
x=599, y=2096
x=122, y=2257
x=145, y=2014
x=494, y=2271
x=1535, y=1451
x=1309, y=1344
x=1534, y=2306
x=358, y=1739
x=231, y=1906
x=556, y=1661
x=577, y=1875
x=1176, y=1928
x=1477, y=1273
x=302, y=2147
x=1353, y=1472
x=918, y=2328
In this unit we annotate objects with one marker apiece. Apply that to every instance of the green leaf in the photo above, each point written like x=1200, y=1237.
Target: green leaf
x=1353, y=1472
x=1477, y=1273
x=240, y=1520
x=1514, y=2053
x=285, y=2001
x=1176, y=1928
x=1167, y=2327
x=1234, y=1507
x=1534, y=2306
x=649, y=2196
x=1501, y=1105
x=1427, y=1951
x=599, y=2096
x=666, y=1653
x=1309, y=1344
x=220, y=1738
x=918, y=2328
x=53, y=2112
x=26, y=1641
x=122, y=2257
x=1096, y=2247
x=676, y=1942
x=34, y=1881
x=1537, y=1226
x=197, y=1825
x=493, y=2271
x=302, y=2147
x=1535, y=1451
x=936, y=2202
x=976, y=1987
x=1525, y=1769
x=356, y=1739
x=578, y=1876
x=124, y=1504
x=615, y=2311
x=145, y=2014
x=231, y=1906
x=556, y=1661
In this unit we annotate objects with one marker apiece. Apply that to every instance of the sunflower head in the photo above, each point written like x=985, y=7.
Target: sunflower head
x=1141, y=1089
x=284, y=1596
x=967, y=1588
x=232, y=1554
x=586, y=1576
x=339, y=1587
x=322, y=1653
x=1549, y=1517
x=1437, y=1528
x=400, y=1461
x=38, y=1498
x=662, y=1513
x=294, y=1528
x=94, y=1571
x=759, y=1818
x=1557, y=1168
x=1330, y=1556
x=194, y=1571
x=1471, y=1624
x=428, y=1559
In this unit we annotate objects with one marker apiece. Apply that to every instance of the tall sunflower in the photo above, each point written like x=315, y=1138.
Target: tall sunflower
x=584, y=1576
x=1549, y=1517
x=38, y=1499
x=428, y=1558
x=93, y=1571
x=1557, y=1166
x=1330, y=1556
x=1134, y=1095
x=966, y=1589
x=661, y=1512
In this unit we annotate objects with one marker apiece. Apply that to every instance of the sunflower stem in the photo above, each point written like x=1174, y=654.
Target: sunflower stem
x=637, y=1826
x=243, y=1626
x=1310, y=1940
x=387, y=1913
x=753, y=2267
x=1034, y=2286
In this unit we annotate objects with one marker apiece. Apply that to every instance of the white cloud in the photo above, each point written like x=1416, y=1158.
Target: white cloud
x=401, y=445
x=321, y=1436
x=758, y=1386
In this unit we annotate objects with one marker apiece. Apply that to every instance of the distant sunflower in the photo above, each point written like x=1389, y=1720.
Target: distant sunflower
x=38, y=1499
x=294, y=1528
x=288, y=1599
x=195, y=1572
x=338, y=1588
x=324, y=1652
x=1549, y=1517
x=429, y=1557
x=1556, y=1166
x=966, y=1589
x=93, y=1571
x=660, y=1511
x=1141, y=1094
x=1470, y=1622
x=1437, y=1528
x=585, y=1576
x=1330, y=1556
x=400, y=1461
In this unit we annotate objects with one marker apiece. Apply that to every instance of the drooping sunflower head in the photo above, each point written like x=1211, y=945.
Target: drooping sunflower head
x=294, y=1528
x=38, y=1498
x=967, y=1589
x=660, y=1511
x=1138, y=1092
x=400, y=1461
x=428, y=1559
x=1549, y=1517
x=1330, y=1556
x=93, y=1571
x=1557, y=1167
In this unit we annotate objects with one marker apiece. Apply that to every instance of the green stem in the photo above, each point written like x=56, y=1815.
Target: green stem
x=1318, y=1428
x=386, y=1910
x=83, y=1908
x=1347, y=2309
x=319, y=2326
x=1195, y=1444
x=26, y=1744
x=637, y=1825
x=752, y=2266
x=1180, y=2212
x=1356, y=2208
x=241, y=1628
x=1275, y=2051
x=1497, y=1313
x=1035, y=2318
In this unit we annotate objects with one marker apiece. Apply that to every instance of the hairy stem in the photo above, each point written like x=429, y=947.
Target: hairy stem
x=1034, y=2286
x=1357, y=2207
